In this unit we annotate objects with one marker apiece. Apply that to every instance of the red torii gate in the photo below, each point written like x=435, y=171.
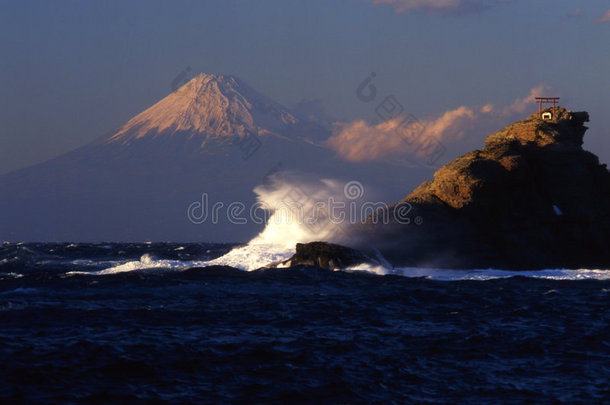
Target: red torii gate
x=546, y=100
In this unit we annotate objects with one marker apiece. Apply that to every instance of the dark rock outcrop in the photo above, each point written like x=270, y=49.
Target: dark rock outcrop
x=531, y=198
x=326, y=256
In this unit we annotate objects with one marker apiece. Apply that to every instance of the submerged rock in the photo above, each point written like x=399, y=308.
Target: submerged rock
x=531, y=198
x=326, y=255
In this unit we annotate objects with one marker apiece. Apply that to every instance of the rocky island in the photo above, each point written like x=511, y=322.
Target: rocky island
x=531, y=198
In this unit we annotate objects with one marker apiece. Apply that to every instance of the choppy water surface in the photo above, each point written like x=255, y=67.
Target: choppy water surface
x=135, y=323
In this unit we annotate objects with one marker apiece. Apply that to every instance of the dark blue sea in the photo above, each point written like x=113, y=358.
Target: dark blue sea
x=162, y=332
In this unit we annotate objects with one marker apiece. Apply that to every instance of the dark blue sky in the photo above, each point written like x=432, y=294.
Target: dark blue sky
x=71, y=71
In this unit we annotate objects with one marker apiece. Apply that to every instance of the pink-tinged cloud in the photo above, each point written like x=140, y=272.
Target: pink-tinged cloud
x=520, y=105
x=359, y=141
x=437, y=6
x=604, y=18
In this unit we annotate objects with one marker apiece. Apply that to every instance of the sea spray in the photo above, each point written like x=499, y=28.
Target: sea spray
x=300, y=211
x=304, y=211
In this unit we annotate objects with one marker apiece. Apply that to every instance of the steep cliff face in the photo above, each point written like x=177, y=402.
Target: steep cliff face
x=531, y=198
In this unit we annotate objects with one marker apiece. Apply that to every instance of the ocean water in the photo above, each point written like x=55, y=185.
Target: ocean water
x=142, y=323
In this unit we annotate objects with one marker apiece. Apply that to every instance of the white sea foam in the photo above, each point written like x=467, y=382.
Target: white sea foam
x=253, y=256
x=484, y=274
x=146, y=262
x=286, y=226
x=8, y=260
x=277, y=243
x=247, y=257
x=11, y=275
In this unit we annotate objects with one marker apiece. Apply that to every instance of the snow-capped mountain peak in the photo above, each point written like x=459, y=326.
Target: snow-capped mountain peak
x=209, y=106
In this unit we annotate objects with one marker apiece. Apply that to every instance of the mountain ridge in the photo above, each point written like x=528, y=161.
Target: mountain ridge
x=208, y=106
x=136, y=182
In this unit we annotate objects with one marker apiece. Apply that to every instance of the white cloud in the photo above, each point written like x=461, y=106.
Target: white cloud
x=359, y=141
x=520, y=105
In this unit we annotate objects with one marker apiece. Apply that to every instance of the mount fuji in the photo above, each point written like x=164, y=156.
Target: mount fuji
x=215, y=135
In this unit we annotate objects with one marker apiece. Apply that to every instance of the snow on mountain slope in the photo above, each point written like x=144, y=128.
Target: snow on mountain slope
x=209, y=106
